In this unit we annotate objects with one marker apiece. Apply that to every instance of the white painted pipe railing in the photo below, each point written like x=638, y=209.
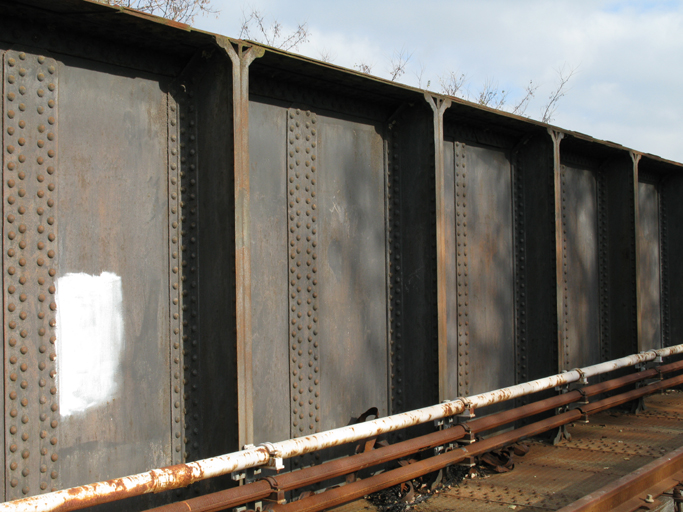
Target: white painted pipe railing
x=182, y=475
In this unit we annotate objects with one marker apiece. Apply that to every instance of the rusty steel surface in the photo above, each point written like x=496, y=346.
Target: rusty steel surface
x=631, y=491
x=438, y=106
x=241, y=58
x=208, y=243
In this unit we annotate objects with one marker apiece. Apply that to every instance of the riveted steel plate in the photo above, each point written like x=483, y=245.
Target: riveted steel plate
x=649, y=304
x=585, y=461
x=30, y=93
x=651, y=442
x=669, y=404
x=114, y=242
x=447, y=503
x=352, y=269
x=455, y=374
x=670, y=425
x=302, y=217
x=269, y=254
x=580, y=329
x=490, y=256
x=508, y=492
x=319, y=297
x=480, y=277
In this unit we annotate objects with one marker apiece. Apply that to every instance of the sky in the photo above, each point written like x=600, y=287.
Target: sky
x=625, y=57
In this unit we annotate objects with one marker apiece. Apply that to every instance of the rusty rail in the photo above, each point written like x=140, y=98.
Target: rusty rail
x=628, y=492
x=295, y=480
x=340, y=495
x=182, y=475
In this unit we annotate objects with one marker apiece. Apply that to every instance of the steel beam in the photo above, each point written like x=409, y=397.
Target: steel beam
x=439, y=106
x=241, y=57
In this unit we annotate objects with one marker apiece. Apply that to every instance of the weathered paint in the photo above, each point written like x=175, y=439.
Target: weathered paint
x=89, y=340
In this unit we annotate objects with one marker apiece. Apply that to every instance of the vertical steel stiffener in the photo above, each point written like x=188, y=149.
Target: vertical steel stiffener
x=30, y=91
x=302, y=221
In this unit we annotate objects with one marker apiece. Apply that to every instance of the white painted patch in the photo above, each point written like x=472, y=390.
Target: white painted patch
x=89, y=340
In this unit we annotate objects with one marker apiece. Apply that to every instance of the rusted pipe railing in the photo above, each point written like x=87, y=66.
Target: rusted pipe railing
x=264, y=488
x=182, y=475
x=340, y=495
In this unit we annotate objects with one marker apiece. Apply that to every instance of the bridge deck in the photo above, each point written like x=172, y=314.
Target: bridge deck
x=549, y=477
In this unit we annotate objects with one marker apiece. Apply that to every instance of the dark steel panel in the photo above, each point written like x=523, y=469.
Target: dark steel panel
x=114, y=219
x=29, y=194
x=415, y=322
x=535, y=259
x=488, y=250
x=449, y=152
x=671, y=208
x=269, y=251
x=621, y=261
x=215, y=382
x=649, y=310
x=581, y=329
x=394, y=278
x=352, y=270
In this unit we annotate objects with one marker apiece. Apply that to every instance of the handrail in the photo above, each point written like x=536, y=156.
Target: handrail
x=182, y=475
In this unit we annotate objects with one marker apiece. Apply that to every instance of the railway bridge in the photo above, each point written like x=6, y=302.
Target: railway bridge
x=219, y=258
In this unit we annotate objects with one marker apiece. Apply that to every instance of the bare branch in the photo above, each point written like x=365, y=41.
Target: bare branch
x=452, y=83
x=398, y=64
x=491, y=96
x=419, y=75
x=557, y=93
x=363, y=67
x=255, y=27
x=183, y=11
x=327, y=55
x=529, y=92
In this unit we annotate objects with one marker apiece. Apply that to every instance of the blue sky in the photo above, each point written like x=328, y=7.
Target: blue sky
x=626, y=55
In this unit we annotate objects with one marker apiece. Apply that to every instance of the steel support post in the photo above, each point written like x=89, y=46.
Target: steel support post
x=241, y=57
x=439, y=106
x=560, y=272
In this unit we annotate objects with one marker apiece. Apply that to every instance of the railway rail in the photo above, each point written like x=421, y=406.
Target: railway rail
x=182, y=475
x=217, y=255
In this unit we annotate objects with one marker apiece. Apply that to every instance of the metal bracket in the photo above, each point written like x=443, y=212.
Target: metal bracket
x=275, y=463
x=248, y=475
x=469, y=438
x=584, y=398
x=562, y=433
x=583, y=380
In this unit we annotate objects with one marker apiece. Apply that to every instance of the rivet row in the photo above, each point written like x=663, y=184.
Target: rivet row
x=30, y=143
x=302, y=177
x=462, y=268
